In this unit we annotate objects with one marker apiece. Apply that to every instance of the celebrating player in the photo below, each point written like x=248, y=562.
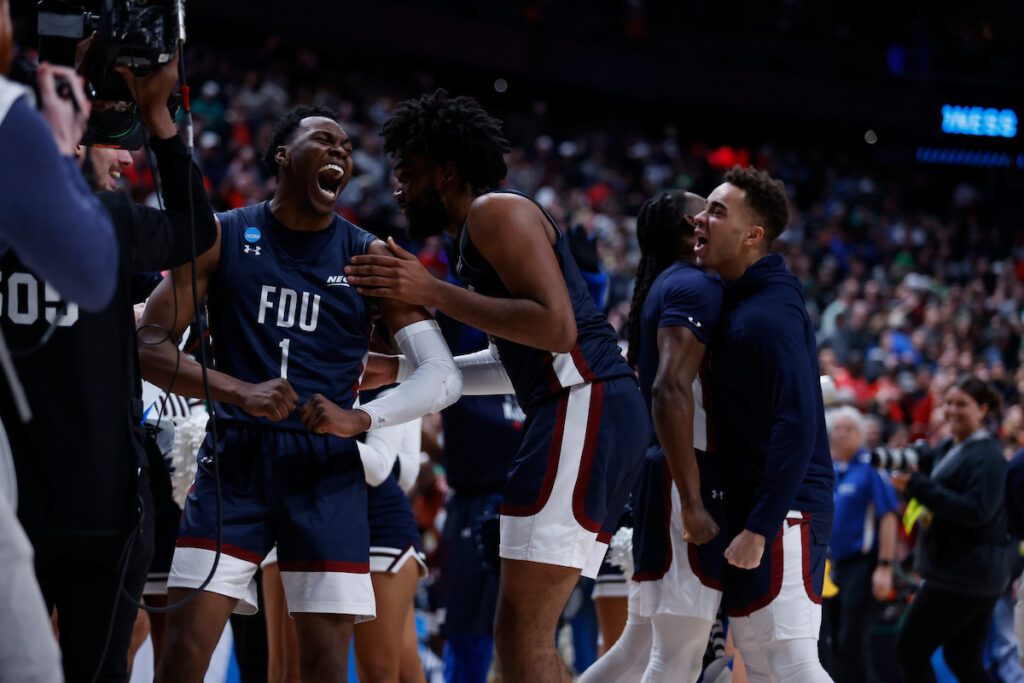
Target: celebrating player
x=770, y=429
x=289, y=331
x=585, y=428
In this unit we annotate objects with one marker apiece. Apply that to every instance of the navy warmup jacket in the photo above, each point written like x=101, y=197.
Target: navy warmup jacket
x=768, y=412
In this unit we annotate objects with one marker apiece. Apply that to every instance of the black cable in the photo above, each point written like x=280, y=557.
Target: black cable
x=130, y=542
x=203, y=360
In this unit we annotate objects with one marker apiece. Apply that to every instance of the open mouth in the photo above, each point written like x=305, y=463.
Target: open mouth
x=702, y=242
x=329, y=179
x=115, y=172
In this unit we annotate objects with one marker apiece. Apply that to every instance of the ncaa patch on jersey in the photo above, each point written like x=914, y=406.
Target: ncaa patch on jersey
x=252, y=235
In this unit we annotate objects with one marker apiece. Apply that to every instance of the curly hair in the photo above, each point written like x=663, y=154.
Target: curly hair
x=445, y=129
x=658, y=231
x=766, y=197
x=284, y=129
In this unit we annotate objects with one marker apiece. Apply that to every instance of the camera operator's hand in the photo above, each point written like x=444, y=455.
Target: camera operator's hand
x=152, y=92
x=274, y=399
x=67, y=116
x=322, y=416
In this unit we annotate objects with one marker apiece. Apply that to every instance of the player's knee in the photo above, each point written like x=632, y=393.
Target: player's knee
x=796, y=661
x=182, y=657
x=320, y=663
x=512, y=632
x=381, y=673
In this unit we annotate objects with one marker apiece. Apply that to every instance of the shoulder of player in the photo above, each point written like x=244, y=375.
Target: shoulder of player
x=687, y=280
x=500, y=210
x=769, y=322
x=378, y=247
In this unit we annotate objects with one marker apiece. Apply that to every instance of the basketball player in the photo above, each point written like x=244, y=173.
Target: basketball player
x=585, y=428
x=289, y=331
x=676, y=584
x=770, y=429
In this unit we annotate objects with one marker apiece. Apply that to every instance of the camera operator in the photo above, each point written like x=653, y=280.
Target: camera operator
x=85, y=499
x=49, y=218
x=963, y=550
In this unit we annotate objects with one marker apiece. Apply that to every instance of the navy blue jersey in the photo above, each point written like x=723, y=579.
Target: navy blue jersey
x=682, y=295
x=280, y=306
x=537, y=374
x=769, y=419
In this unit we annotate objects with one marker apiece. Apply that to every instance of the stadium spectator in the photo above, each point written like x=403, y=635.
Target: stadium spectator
x=963, y=548
x=863, y=545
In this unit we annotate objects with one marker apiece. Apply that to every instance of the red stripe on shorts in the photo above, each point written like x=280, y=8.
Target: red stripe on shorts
x=581, y=363
x=579, y=494
x=225, y=548
x=325, y=566
x=805, y=546
x=549, y=476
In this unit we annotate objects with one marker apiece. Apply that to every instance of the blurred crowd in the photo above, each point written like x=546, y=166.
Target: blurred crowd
x=911, y=278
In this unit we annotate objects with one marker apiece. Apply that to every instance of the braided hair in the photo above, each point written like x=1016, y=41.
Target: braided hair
x=444, y=129
x=659, y=227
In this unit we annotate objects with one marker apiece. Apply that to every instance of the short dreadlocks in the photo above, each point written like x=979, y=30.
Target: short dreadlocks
x=445, y=129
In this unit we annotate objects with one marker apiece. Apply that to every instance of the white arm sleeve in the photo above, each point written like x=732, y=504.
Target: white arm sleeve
x=483, y=374
x=435, y=383
x=409, y=454
x=377, y=464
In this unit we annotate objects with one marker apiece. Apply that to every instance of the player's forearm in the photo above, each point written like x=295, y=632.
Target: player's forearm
x=168, y=368
x=672, y=410
x=434, y=384
x=522, y=321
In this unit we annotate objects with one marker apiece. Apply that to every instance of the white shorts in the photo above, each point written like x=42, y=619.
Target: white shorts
x=391, y=560
x=572, y=475
x=156, y=584
x=793, y=612
x=316, y=591
x=610, y=584
x=680, y=591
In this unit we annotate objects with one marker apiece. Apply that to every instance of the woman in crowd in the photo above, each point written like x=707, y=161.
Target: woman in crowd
x=963, y=549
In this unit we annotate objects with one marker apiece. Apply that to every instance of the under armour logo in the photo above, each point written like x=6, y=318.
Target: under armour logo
x=696, y=323
x=251, y=250
x=717, y=495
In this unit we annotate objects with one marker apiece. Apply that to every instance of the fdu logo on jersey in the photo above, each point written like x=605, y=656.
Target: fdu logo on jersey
x=252, y=235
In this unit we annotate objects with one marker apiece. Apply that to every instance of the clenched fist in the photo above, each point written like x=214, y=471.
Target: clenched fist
x=322, y=416
x=274, y=400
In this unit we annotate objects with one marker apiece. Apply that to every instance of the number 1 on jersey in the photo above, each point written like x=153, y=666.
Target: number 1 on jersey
x=284, y=357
